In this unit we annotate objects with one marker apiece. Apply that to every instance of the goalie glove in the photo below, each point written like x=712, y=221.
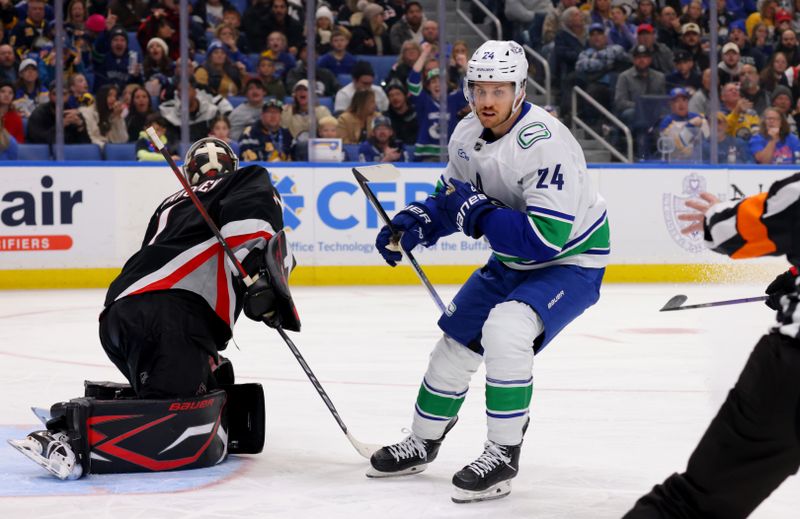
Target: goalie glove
x=259, y=300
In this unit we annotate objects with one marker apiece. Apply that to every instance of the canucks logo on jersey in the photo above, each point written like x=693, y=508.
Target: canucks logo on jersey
x=531, y=133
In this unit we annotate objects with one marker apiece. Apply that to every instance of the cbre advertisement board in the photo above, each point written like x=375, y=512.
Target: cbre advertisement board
x=94, y=217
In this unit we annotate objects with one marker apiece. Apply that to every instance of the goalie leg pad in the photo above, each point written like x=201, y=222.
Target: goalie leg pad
x=246, y=418
x=129, y=435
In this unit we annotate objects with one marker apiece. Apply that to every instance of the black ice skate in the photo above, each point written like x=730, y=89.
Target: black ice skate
x=52, y=451
x=489, y=476
x=410, y=456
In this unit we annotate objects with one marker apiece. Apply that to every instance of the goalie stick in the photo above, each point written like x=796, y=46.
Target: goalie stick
x=366, y=174
x=364, y=449
x=676, y=301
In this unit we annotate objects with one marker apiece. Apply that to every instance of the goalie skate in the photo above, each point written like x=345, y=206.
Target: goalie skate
x=409, y=456
x=52, y=451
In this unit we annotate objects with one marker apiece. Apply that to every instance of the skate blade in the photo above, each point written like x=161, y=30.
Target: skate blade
x=37, y=458
x=374, y=473
x=497, y=491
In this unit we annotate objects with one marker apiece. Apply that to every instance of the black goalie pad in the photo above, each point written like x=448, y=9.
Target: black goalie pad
x=246, y=413
x=110, y=433
x=133, y=435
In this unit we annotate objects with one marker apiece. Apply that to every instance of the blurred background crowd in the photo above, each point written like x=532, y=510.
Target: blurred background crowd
x=645, y=64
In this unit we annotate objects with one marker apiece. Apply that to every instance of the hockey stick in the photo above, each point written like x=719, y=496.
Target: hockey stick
x=364, y=449
x=675, y=303
x=363, y=181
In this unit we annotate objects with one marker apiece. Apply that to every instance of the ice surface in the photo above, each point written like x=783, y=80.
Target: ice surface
x=620, y=399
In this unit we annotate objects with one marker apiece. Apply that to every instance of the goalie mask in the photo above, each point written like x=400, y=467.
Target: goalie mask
x=208, y=158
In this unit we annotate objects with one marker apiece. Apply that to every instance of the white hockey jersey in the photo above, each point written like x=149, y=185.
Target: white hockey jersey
x=537, y=169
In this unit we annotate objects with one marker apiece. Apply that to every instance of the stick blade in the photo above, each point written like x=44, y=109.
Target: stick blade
x=365, y=449
x=378, y=172
x=674, y=303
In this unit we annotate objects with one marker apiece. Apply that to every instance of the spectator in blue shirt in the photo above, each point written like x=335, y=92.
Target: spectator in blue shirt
x=682, y=131
x=338, y=60
x=774, y=143
x=621, y=32
x=382, y=146
x=730, y=150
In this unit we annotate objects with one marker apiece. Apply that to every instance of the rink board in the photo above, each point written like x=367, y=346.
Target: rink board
x=66, y=226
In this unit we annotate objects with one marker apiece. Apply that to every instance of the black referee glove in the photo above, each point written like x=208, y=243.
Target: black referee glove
x=782, y=285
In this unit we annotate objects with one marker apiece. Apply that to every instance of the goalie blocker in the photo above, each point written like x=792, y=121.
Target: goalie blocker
x=110, y=431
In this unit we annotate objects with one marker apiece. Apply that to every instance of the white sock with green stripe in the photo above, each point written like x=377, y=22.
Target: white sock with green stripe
x=444, y=387
x=507, y=338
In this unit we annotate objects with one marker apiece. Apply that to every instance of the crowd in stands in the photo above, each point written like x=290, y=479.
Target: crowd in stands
x=647, y=61
x=247, y=81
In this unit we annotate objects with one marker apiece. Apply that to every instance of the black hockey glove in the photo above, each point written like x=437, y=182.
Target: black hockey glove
x=464, y=205
x=416, y=225
x=259, y=300
x=782, y=285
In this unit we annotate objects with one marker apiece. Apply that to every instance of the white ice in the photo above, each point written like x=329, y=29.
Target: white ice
x=621, y=398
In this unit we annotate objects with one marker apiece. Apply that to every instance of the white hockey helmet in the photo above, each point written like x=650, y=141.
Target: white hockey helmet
x=500, y=62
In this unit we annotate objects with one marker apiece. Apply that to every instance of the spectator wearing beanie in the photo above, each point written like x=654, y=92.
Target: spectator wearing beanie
x=324, y=20
x=157, y=60
x=111, y=58
x=782, y=101
x=363, y=79
x=685, y=73
x=218, y=75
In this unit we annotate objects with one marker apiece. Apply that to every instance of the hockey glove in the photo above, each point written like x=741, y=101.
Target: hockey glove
x=415, y=224
x=782, y=285
x=259, y=300
x=463, y=206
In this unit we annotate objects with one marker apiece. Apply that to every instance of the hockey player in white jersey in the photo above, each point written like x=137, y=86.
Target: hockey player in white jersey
x=517, y=178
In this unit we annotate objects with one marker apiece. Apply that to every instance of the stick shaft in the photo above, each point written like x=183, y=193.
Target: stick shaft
x=719, y=303
x=362, y=181
x=314, y=381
